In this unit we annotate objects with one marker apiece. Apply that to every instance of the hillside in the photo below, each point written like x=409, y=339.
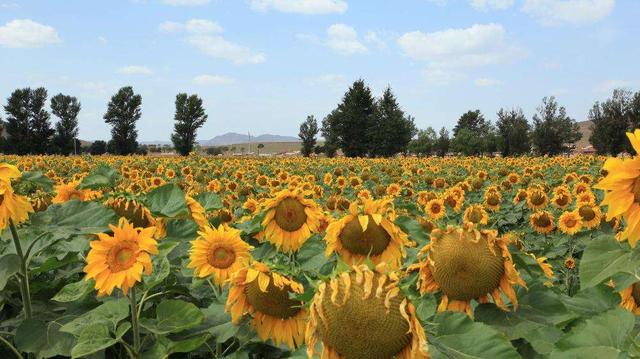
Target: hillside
x=585, y=128
x=237, y=138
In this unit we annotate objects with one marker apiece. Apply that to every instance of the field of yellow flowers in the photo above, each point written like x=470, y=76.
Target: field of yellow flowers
x=200, y=257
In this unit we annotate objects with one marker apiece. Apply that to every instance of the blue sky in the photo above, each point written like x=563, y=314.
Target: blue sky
x=264, y=65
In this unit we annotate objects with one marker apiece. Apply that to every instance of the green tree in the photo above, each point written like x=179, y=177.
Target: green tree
x=40, y=124
x=329, y=131
x=467, y=142
x=123, y=111
x=472, y=120
x=260, y=146
x=553, y=131
x=189, y=117
x=354, y=116
x=513, y=132
x=610, y=122
x=442, y=145
x=390, y=131
x=98, y=147
x=18, y=122
x=634, y=112
x=307, y=134
x=425, y=143
x=66, y=108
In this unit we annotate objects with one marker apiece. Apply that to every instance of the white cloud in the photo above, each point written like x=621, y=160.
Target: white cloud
x=308, y=7
x=193, y=26
x=344, y=39
x=208, y=80
x=491, y=4
x=26, y=33
x=372, y=37
x=204, y=36
x=477, y=45
x=553, y=12
x=217, y=46
x=135, y=70
x=186, y=2
x=486, y=82
x=609, y=85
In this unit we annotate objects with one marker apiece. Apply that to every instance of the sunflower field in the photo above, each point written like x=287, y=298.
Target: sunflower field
x=201, y=257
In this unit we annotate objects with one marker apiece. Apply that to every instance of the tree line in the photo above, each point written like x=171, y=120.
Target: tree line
x=27, y=128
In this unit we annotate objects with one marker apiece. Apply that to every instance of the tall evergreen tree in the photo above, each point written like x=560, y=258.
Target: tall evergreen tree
x=390, y=131
x=18, y=125
x=66, y=108
x=610, y=122
x=442, y=146
x=513, y=132
x=329, y=131
x=41, y=130
x=472, y=120
x=123, y=111
x=307, y=134
x=354, y=116
x=189, y=117
x=553, y=131
x=425, y=143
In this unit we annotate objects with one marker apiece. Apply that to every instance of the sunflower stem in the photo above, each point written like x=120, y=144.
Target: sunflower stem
x=24, y=281
x=11, y=347
x=134, y=322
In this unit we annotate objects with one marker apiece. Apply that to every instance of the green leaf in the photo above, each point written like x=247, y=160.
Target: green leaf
x=164, y=347
x=173, y=316
x=109, y=313
x=74, y=291
x=592, y=301
x=9, y=265
x=604, y=258
x=45, y=340
x=94, y=337
x=167, y=201
x=459, y=337
x=412, y=228
x=101, y=177
x=161, y=269
x=74, y=217
x=605, y=333
x=37, y=179
x=311, y=255
x=209, y=201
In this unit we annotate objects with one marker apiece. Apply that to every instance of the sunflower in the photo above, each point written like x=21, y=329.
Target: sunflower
x=467, y=264
x=570, y=222
x=536, y=198
x=218, y=252
x=118, y=261
x=367, y=231
x=630, y=298
x=520, y=196
x=475, y=214
x=8, y=172
x=435, y=209
x=137, y=214
x=266, y=296
x=69, y=191
x=12, y=206
x=362, y=314
x=591, y=215
x=492, y=199
x=547, y=268
x=290, y=219
x=542, y=222
x=561, y=200
x=197, y=212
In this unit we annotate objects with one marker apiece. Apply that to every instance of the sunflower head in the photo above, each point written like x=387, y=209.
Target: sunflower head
x=12, y=206
x=362, y=314
x=570, y=222
x=542, y=222
x=467, y=264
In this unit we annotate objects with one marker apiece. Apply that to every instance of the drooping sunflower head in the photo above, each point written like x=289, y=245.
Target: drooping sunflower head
x=197, y=212
x=266, y=296
x=536, y=198
x=561, y=199
x=570, y=222
x=492, y=199
x=520, y=196
x=475, y=214
x=542, y=222
x=68, y=191
x=362, y=314
x=12, y=206
x=218, y=253
x=591, y=215
x=467, y=264
x=136, y=213
x=290, y=219
x=367, y=231
x=118, y=260
x=630, y=298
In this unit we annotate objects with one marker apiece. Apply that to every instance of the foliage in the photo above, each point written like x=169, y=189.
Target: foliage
x=513, y=132
x=189, y=117
x=28, y=126
x=390, y=130
x=66, y=108
x=553, y=130
x=123, y=111
x=611, y=121
x=425, y=142
x=307, y=134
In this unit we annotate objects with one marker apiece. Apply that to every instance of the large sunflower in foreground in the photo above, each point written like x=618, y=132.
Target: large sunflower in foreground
x=12, y=206
x=265, y=295
x=219, y=253
x=118, y=260
x=622, y=186
x=467, y=264
x=363, y=314
x=367, y=231
x=137, y=214
x=290, y=219
x=9, y=172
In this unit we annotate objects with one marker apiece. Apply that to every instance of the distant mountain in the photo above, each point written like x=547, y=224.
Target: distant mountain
x=232, y=138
